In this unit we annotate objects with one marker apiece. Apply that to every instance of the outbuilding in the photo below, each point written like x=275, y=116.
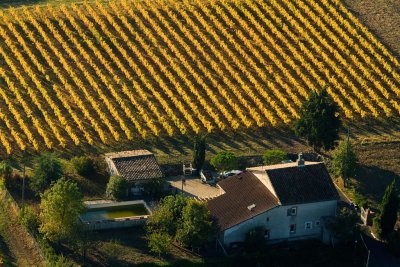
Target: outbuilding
x=138, y=167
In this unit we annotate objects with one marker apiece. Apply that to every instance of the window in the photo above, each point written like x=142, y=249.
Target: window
x=292, y=228
x=267, y=233
x=317, y=223
x=292, y=211
x=267, y=219
x=308, y=225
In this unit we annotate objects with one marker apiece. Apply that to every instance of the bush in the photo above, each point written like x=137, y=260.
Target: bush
x=29, y=219
x=84, y=166
x=255, y=240
x=224, y=161
x=47, y=169
x=274, y=156
x=359, y=199
x=51, y=256
x=117, y=188
x=159, y=243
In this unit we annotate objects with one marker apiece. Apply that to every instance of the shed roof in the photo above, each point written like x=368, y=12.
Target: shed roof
x=245, y=197
x=136, y=165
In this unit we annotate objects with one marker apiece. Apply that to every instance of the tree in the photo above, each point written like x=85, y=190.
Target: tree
x=386, y=218
x=117, y=187
x=344, y=161
x=345, y=223
x=196, y=226
x=182, y=219
x=84, y=166
x=6, y=172
x=159, y=243
x=199, y=152
x=168, y=215
x=319, y=122
x=47, y=169
x=274, y=156
x=224, y=161
x=60, y=208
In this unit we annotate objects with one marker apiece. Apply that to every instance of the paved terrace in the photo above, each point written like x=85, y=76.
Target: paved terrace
x=193, y=187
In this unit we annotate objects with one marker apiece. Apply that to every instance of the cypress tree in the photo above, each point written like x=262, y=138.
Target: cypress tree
x=199, y=152
x=386, y=218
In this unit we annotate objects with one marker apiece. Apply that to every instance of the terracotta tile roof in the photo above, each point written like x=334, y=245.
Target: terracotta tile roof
x=302, y=184
x=241, y=192
x=136, y=165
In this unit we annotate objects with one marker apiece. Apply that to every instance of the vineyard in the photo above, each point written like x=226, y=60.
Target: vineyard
x=98, y=73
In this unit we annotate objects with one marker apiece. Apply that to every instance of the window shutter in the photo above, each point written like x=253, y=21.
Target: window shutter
x=289, y=212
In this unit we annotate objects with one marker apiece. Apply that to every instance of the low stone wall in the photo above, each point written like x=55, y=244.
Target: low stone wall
x=117, y=223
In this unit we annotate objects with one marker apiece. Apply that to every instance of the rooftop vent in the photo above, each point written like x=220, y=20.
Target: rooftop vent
x=251, y=207
x=300, y=160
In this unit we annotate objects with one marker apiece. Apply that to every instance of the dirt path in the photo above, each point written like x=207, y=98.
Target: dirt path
x=21, y=244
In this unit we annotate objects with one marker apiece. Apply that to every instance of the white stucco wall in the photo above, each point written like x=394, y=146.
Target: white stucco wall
x=112, y=170
x=278, y=222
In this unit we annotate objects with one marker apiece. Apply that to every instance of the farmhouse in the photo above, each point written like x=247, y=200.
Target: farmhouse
x=290, y=201
x=136, y=166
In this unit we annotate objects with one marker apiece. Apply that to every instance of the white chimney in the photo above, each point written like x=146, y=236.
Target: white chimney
x=300, y=160
x=251, y=207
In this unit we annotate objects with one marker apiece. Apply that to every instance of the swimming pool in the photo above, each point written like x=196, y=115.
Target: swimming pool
x=115, y=214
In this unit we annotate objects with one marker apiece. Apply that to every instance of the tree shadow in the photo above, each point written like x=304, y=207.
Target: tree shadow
x=371, y=181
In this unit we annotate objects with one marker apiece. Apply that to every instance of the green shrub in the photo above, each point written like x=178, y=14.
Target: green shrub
x=359, y=199
x=53, y=260
x=29, y=219
x=159, y=243
x=84, y=166
x=224, y=161
x=117, y=188
x=47, y=169
x=274, y=156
